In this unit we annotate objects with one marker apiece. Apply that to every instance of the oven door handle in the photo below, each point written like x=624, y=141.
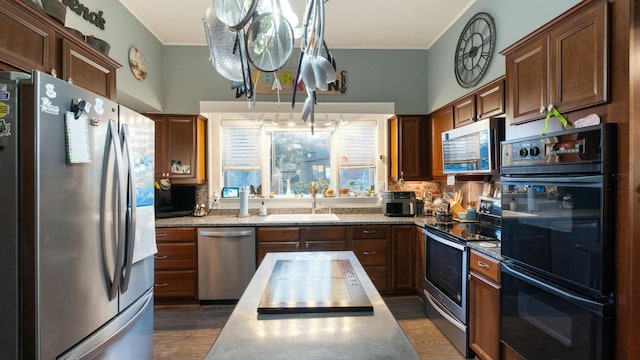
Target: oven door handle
x=592, y=179
x=445, y=241
x=593, y=306
x=442, y=313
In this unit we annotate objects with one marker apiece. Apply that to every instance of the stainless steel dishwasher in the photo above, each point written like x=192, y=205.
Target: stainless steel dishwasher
x=226, y=262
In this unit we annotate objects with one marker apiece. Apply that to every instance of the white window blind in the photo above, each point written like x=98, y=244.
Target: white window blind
x=358, y=145
x=240, y=148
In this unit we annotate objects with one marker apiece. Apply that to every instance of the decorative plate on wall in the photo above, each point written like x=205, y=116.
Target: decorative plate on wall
x=137, y=64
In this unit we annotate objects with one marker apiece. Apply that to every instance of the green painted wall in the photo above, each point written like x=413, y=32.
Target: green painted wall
x=123, y=31
x=514, y=19
x=372, y=76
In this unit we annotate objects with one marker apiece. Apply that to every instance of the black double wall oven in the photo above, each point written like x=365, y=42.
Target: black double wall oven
x=558, y=244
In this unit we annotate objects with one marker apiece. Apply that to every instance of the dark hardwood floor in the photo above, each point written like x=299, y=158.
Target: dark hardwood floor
x=186, y=332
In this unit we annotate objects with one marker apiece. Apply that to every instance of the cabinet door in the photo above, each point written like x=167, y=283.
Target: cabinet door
x=87, y=70
x=176, y=284
x=441, y=121
x=323, y=238
x=464, y=111
x=275, y=246
x=484, y=317
x=490, y=100
x=408, y=140
x=413, y=159
x=402, y=257
x=527, y=82
x=161, y=167
x=25, y=43
x=181, y=148
x=579, y=56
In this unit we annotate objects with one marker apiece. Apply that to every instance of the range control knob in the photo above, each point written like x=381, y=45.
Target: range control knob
x=534, y=151
x=523, y=152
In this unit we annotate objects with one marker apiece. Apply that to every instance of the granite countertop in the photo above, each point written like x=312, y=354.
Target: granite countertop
x=247, y=335
x=343, y=219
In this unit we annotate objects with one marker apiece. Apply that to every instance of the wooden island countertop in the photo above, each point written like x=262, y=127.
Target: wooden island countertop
x=344, y=335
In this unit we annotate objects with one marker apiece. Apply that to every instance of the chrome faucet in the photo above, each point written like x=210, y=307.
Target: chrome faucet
x=313, y=204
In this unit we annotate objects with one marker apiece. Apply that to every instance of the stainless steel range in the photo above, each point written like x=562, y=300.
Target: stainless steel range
x=447, y=265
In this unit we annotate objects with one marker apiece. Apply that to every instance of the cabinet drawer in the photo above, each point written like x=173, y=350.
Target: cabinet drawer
x=324, y=246
x=485, y=266
x=175, y=234
x=278, y=234
x=378, y=276
x=370, y=232
x=176, y=256
x=371, y=252
x=175, y=284
x=323, y=233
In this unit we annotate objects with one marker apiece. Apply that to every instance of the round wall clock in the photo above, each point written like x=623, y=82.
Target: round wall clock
x=137, y=64
x=475, y=49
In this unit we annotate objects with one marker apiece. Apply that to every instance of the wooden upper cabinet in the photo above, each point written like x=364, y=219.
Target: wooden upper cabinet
x=180, y=148
x=25, y=43
x=441, y=121
x=88, y=71
x=486, y=102
x=30, y=40
x=464, y=111
x=490, y=100
x=408, y=147
x=563, y=64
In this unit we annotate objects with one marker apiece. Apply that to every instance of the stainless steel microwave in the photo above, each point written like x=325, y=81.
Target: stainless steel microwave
x=473, y=148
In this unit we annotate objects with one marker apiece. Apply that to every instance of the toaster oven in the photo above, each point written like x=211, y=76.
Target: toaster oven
x=399, y=203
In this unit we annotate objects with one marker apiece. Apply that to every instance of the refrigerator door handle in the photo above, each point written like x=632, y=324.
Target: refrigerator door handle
x=113, y=148
x=131, y=209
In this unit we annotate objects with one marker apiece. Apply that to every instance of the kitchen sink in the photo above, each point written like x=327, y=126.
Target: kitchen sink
x=301, y=217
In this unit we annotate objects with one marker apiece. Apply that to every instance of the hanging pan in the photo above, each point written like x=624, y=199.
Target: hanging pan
x=269, y=42
x=235, y=13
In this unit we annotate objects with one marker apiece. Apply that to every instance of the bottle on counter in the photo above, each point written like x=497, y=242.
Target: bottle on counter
x=513, y=206
x=263, y=209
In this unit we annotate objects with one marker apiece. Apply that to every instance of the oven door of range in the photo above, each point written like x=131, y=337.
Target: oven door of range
x=563, y=227
x=446, y=268
x=542, y=321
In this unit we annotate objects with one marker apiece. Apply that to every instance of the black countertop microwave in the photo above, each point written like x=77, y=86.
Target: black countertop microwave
x=175, y=202
x=473, y=148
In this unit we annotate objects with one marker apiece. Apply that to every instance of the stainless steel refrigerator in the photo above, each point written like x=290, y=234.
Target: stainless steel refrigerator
x=76, y=223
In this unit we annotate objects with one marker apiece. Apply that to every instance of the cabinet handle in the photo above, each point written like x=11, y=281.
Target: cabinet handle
x=368, y=253
x=161, y=235
x=483, y=265
x=298, y=245
x=306, y=245
x=160, y=257
x=160, y=285
x=550, y=107
x=368, y=231
x=542, y=109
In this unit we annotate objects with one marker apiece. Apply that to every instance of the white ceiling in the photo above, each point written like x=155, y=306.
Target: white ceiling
x=351, y=24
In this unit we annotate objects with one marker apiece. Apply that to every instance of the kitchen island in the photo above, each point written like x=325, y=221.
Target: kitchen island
x=343, y=335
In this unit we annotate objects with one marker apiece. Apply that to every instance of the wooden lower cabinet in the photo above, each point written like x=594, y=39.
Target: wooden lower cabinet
x=306, y=238
x=402, y=257
x=176, y=265
x=370, y=243
x=484, y=306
